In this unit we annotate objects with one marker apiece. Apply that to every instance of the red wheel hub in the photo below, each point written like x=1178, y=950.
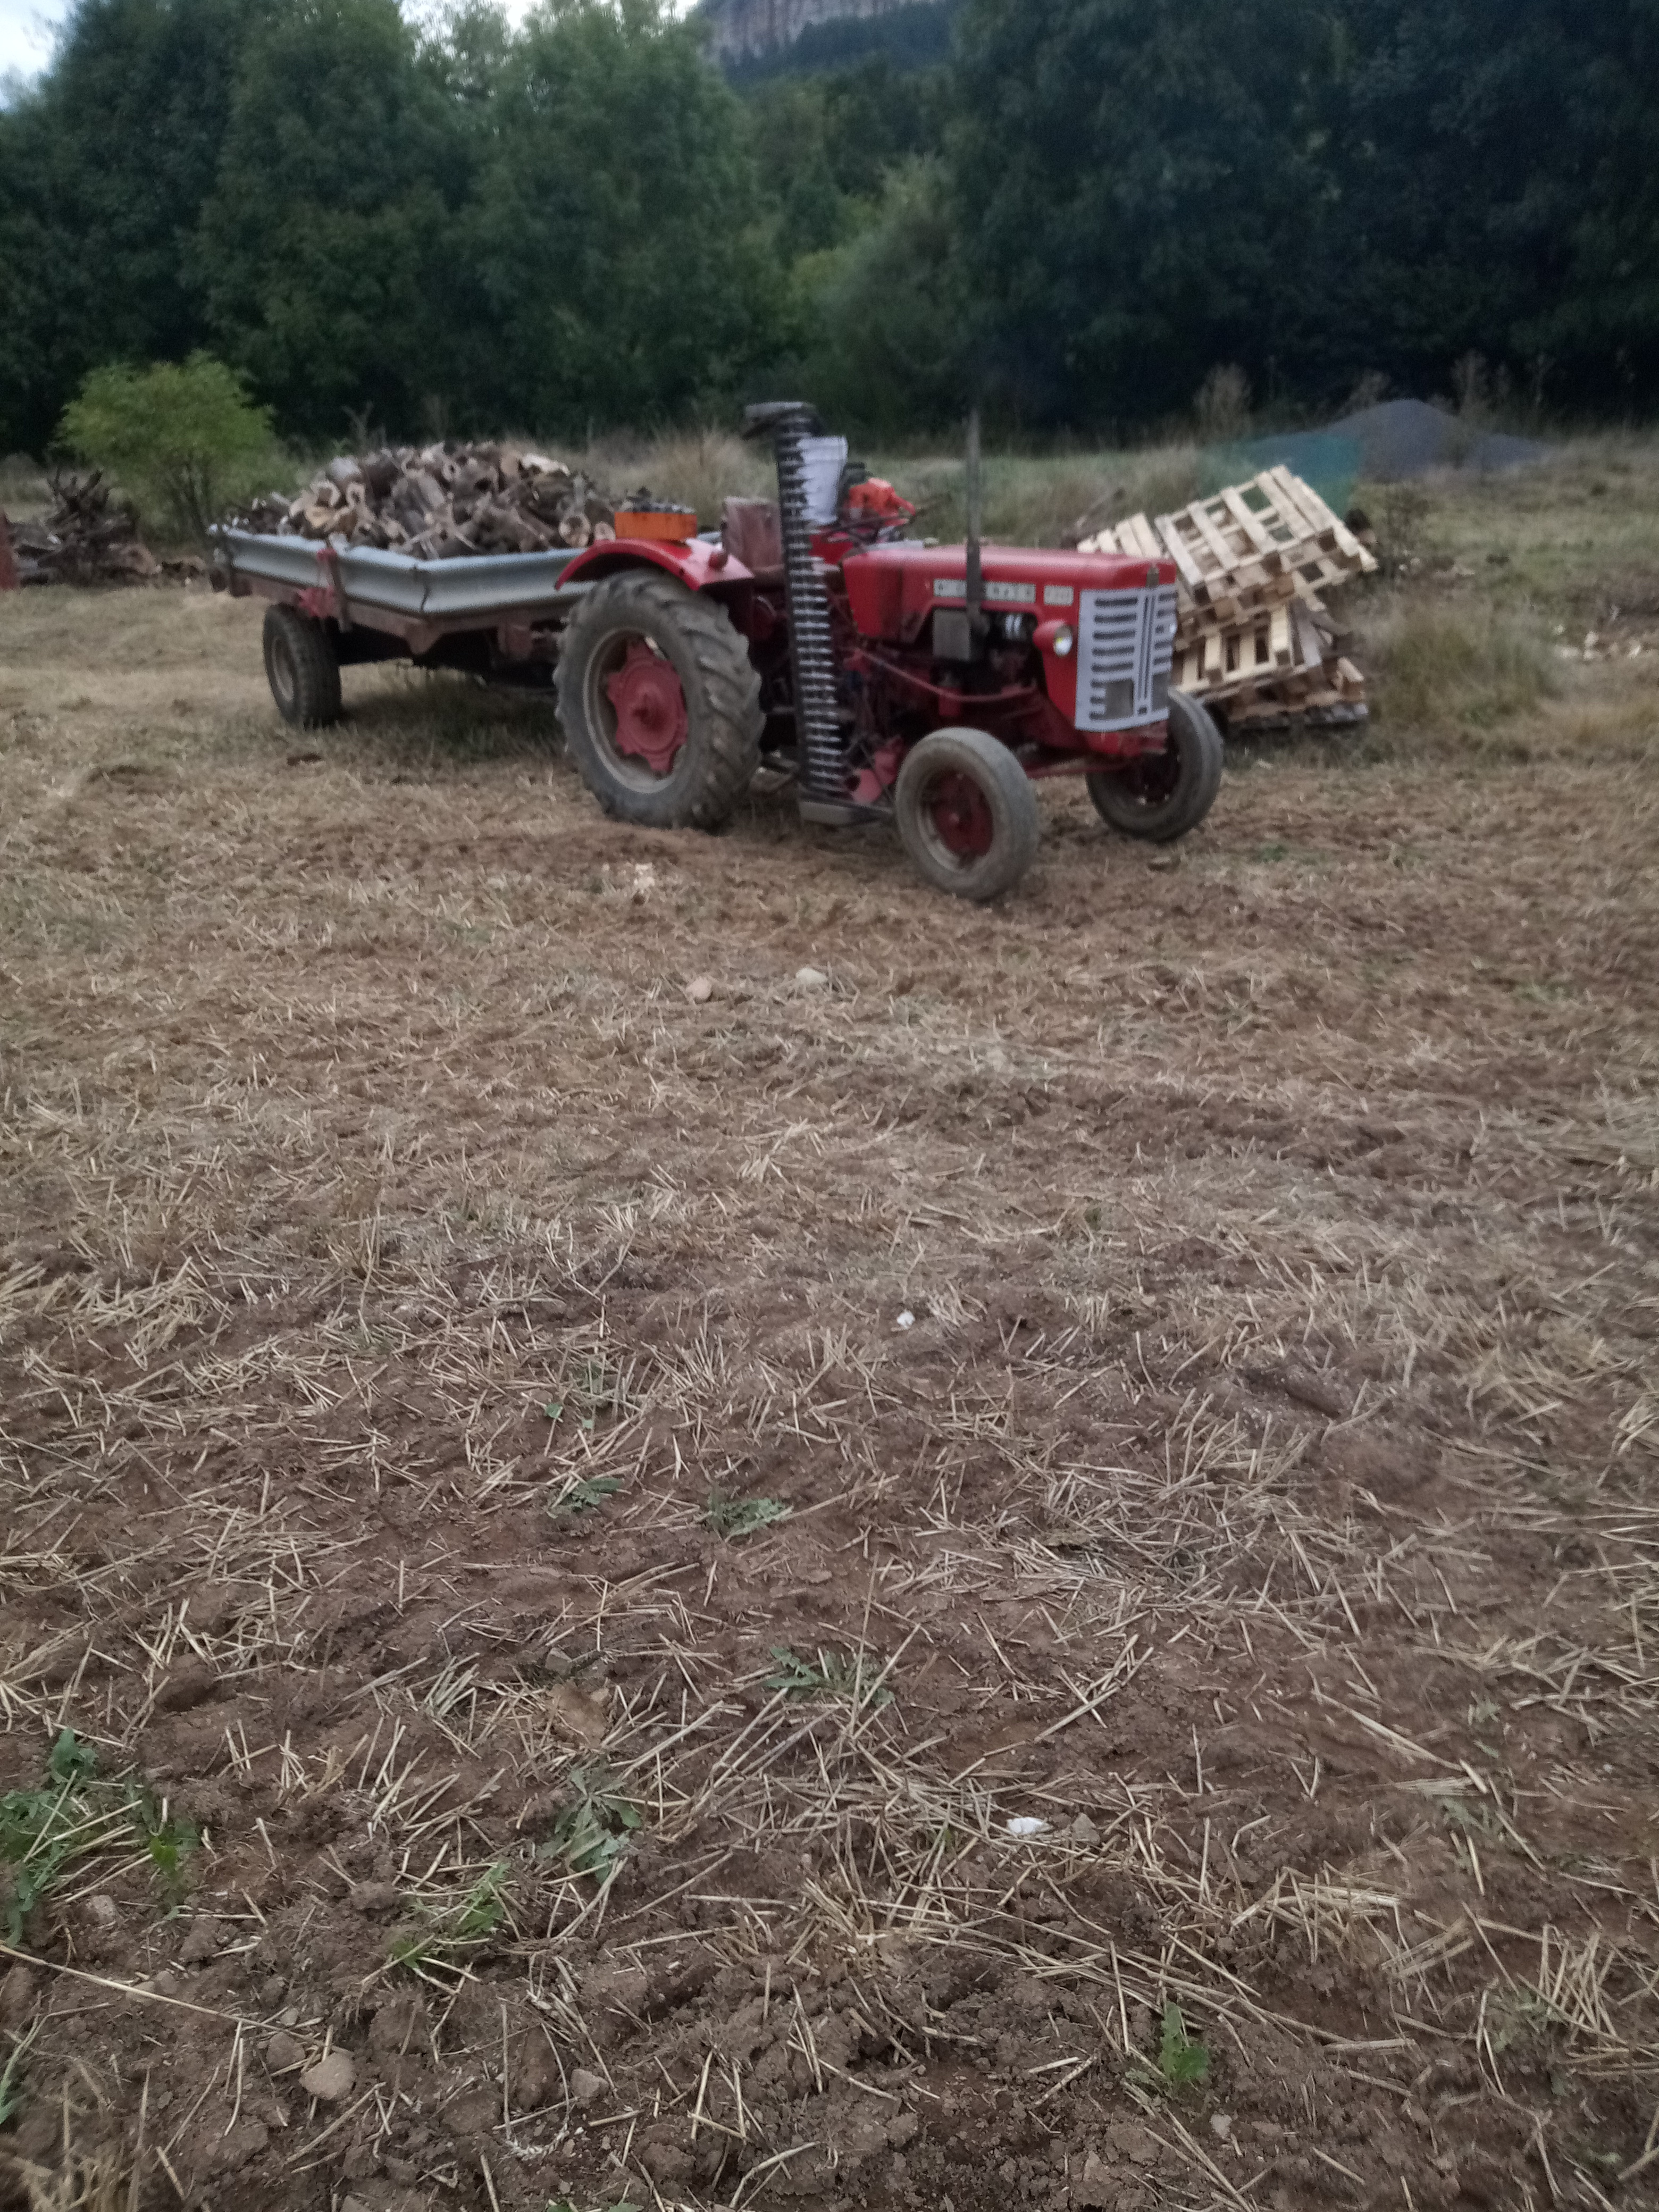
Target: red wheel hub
x=961, y=815
x=652, y=723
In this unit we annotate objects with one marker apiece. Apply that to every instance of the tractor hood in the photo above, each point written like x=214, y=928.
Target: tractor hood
x=894, y=588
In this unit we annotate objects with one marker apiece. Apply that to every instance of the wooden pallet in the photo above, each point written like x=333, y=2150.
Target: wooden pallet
x=1254, y=637
x=1337, y=683
x=1254, y=546
x=1282, y=642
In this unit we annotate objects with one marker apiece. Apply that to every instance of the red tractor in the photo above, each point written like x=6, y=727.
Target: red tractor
x=928, y=685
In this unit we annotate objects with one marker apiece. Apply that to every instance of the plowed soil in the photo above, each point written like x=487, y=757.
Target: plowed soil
x=1192, y=1740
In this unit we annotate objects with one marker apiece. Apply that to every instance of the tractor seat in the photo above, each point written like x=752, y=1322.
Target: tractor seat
x=752, y=532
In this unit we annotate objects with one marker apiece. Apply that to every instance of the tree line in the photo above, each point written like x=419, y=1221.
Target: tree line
x=446, y=225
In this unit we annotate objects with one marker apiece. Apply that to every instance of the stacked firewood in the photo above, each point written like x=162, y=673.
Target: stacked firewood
x=1254, y=639
x=88, y=537
x=442, y=502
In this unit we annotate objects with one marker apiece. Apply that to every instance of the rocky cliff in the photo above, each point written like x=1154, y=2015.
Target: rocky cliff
x=750, y=30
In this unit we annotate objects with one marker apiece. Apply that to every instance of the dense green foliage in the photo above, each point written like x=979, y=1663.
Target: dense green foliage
x=317, y=250
x=434, y=224
x=181, y=436
x=615, y=238
x=103, y=173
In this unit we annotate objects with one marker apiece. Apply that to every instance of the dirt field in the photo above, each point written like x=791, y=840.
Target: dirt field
x=1199, y=1316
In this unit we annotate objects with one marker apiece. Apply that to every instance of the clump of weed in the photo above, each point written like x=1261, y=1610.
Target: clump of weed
x=827, y=1674
x=165, y=1839
x=582, y=1495
x=73, y=1815
x=444, y=1934
x=737, y=1517
x=1182, y=2062
x=592, y=1831
x=594, y=1388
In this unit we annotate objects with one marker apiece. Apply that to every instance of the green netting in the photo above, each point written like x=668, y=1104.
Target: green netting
x=1331, y=464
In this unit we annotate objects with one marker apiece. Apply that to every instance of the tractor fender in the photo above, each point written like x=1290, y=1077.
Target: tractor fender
x=699, y=565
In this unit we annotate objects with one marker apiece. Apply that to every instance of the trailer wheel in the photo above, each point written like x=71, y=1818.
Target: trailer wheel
x=660, y=703
x=966, y=813
x=1162, y=797
x=301, y=670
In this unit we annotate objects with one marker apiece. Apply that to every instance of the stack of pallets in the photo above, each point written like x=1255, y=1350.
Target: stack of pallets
x=1254, y=637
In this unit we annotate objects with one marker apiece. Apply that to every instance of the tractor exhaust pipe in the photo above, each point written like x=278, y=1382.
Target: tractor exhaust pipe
x=975, y=533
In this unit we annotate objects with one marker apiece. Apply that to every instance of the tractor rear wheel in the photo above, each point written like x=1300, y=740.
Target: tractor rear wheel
x=966, y=813
x=1165, y=795
x=660, y=703
x=301, y=670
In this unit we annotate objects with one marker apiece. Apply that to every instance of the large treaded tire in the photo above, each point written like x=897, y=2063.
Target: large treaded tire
x=1006, y=789
x=717, y=762
x=301, y=670
x=1163, y=798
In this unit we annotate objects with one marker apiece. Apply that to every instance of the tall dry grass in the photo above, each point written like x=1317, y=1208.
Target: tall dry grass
x=1045, y=501
x=1451, y=667
x=701, y=469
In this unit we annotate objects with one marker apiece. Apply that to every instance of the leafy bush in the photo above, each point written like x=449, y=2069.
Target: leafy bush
x=182, y=438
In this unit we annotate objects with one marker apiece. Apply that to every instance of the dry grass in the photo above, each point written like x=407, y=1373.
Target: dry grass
x=24, y=490
x=394, y=1263
x=701, y=469
x=1447, y=672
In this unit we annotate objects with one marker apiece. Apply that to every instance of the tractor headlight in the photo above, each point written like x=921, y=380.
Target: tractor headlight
x=1056, y=637
x=1066, y=639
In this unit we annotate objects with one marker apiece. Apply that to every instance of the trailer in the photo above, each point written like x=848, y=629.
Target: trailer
x=894, y=679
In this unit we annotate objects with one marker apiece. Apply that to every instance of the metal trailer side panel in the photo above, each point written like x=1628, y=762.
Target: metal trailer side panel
x=430, y=591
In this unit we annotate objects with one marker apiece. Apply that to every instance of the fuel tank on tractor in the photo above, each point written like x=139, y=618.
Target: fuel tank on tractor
x=897, y=592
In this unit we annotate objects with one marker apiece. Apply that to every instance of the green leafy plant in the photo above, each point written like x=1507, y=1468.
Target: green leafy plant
x=70, y=1760
x=183, y=437
x=582, y=1495
x=450, y=1930
x=484, y=1906
x=1182, y=2061
x=591, y=1833
x=827, y=1674
x=42, y=1830
x=166, y=1838
x=737, y=1517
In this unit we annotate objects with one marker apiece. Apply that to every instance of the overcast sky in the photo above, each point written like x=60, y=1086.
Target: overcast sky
x=26, y=29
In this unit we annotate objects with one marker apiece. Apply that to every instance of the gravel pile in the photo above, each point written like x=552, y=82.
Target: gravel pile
x=1403, y=438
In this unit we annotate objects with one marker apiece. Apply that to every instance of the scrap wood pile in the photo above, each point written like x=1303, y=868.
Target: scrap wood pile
x=88, y=537
x=1254, y=636
x=442, y=502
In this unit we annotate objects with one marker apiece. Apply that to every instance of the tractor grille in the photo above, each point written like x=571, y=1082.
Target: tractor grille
x=1126, y=643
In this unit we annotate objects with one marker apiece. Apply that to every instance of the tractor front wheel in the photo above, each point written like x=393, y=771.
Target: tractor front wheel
x=966, y=813
x=660, y=703
x=1164, y=796
x=301, y=670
